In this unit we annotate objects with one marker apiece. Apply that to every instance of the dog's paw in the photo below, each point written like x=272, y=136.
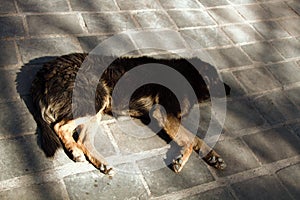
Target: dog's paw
x=106, y=170
x=78, y=155
x=215, y=160
x=178, y=164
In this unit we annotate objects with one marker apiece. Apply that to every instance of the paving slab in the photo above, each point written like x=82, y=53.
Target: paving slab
x=253, y=12
x=257, y=52
x=264, y=187
x=215, y=194
x=270, y=30
x=290, y=177
x=242, y=33
x=286, y=73
x=138, y=4
x=226, y=15
x=96, y=5
x=51, y=190
x=37, y=48
x=43, y=6
x=93, y=185
x=273, y=145
x=290, y=25
x=256, y=80
x=8, y=55
x=108, y=22
x=54, y=24
x=169, y=4
x=154, y=19
x=295, y=6
x=7, y=7
x=165, y=180
x=190, y=18
x=236, y=89
x=22, y=156
x=278, y=9
x=11, y=26
x=208, y=3
x=289, y=48
x=294, y=95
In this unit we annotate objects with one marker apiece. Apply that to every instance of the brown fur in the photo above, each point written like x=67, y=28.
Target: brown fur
x=52, y=92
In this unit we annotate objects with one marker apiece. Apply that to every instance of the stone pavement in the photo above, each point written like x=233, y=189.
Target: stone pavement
x=255, y=45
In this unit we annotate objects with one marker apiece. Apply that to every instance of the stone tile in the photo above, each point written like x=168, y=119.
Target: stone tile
x=242, y=1
x=179, y=4
x=262, y=52
x=295, y=128
x=289, y=48
x=135, y=139
x=286, y=73
x=22, y=156
x=237, y=157
x=295, y=6
x=37, y=48
x=120, y=44
x=7, y=7
x=54, y=24
x=93, y=185
x=190, y=18
x=153, y=19
x=43, y=6
x=291, y=26
x=11, y=27
x=241, y=115
x=241, y=33
x=208, y=3
x=8, y=54
x=138, y=4
x=253, y=12
x=15, y=119
x=214, y=194
x=294, y=95
x=273, y=145
x=159, y=40
x=263, y=187
x=108, y=22
x=7, y=85
x=226, y=15
x=51, y=190
x=278, y=9
x=290, y=177
x=165, y=180
x=256, y=80
x=236, y=89
x=210, y=37
x=228, y=58
x=95, y=5
x=270, y=30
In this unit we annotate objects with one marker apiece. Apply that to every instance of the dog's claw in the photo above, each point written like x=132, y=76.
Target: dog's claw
x=215, y=161
x=177, y=164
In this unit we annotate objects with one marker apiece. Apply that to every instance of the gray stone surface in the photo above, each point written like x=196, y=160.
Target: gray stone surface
x=54, y=24
x=253, y=12
x=289, y=48
x=286, y=73
x=108, y=22
x=211, y=37
x=154, y=19
x=257, y=52
x=225, y=15
x=291, y=26
x=265, y=145
x=295, y=6
x=7, y=7
x=185, y=18
x=168, y=4
x=241, y=33
x=236, y=89
x=93, y=185
x=43, y=6
x=164, y=180
x=237, y=156
x=270, y=30
x=51, y=190
x=208, y=3
x=8, y=54
x=37, y=48
x=278, y=9
x=290, y=177
x=11, y=26
x=228, y=58
x=138, y=4
x=97, y=5
x=256, y=80
x=215, y=194
x=294, y=95
x=264, y=187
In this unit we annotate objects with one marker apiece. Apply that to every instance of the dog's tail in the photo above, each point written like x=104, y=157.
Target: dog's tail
x=49, y=141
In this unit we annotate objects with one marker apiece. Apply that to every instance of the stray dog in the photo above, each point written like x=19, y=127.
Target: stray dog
x=52, y=91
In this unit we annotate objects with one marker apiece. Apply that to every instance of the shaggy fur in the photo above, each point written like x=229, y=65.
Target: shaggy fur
x=52, y=92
